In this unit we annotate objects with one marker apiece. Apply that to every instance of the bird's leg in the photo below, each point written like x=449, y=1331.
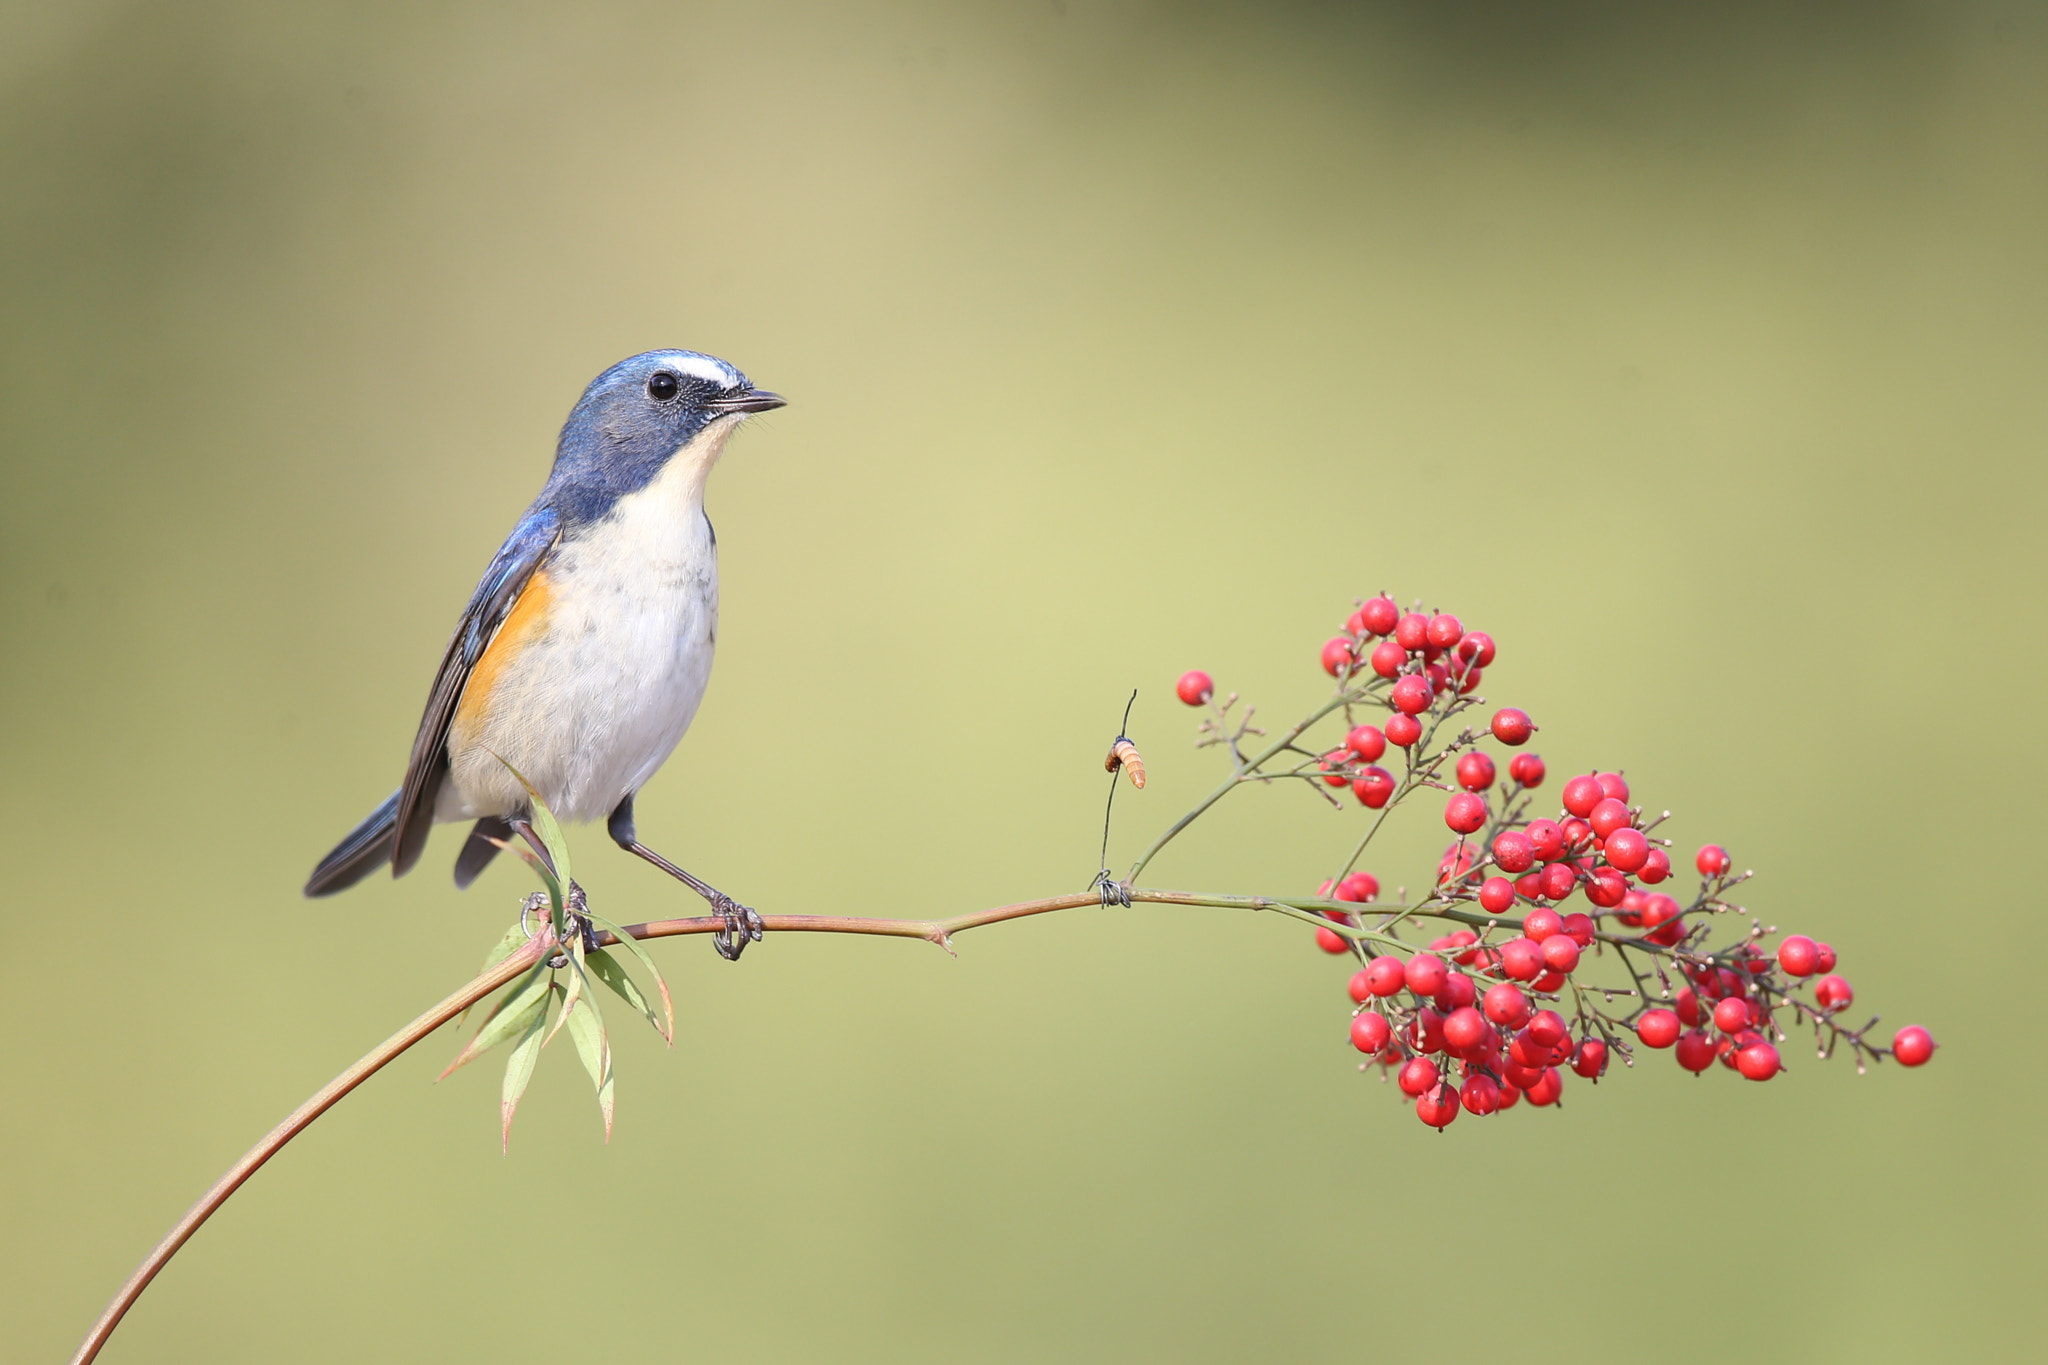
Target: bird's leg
x=742, y=924
x=575, y=901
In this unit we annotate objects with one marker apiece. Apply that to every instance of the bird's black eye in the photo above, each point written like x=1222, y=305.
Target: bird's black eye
x=661, y=386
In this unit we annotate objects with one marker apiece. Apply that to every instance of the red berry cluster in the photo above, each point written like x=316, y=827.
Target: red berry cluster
x=1495, y=1011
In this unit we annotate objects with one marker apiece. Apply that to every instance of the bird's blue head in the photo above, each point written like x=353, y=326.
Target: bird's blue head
x=636, y=417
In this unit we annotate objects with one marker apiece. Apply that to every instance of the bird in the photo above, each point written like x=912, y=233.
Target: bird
x=585, y=650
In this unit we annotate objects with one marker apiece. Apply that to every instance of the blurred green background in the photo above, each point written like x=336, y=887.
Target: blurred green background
x=1697, y=356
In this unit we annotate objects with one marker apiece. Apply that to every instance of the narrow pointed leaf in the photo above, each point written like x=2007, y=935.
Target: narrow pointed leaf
x=515, y=939
x=511, y=1015
x=544, y=824
x=594, y=1048
x=632, y=945
x=607, y=969
x=575, y=992
x=519, y=1066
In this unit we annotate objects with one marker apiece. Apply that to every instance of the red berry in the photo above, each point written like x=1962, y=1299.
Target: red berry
x=1417, y=1076
x=1589, y=1058
x=1475, y=772
x=1367, y=742
x=1758, y=1061
x=1656, y=867
x=1611, y=785
x=1482, y=1095
x=1465, y=812
x=1410, y=694
x=1833, y=993
x=1580, y=928
x=1426, y=974
x=1370, y=1032
x=1527, y=769
x=1444, y=631
x=1604, y=887
x=1506, y=1005
x=1628, y=849
x=1379, y=615
x=1687, y=1002
x=1337, y=655
x=1411, y=632
x=1510, y=1095
x=1388, y=659
x=1608, y=816
x=1360, y=989
x=1525, y=1049
x=1546, y=839
x=1581, y=794
x=1547, y=1088
x=1334, y=775
x=1496, y=894
x=1476, y=647
x=1521, y=960
x=1658, y=1028
x=1558, y=880
x=1695, y=1051
x=1374, y=787
x=1403, y=731
x=1438, y=1105
x=1548, y=1028
x=1457, y=993
x=1464, y=1029
x=1386, y=976
x=1825, y=962
x=1426, y=1034
x=1712, y=861
x=1541, y=923
x=1460, y=938
x=1513, y=851
x=1195, y=687
x=1330, y=941
x=1560, y=952
x=1732, y=1015
x=1799, y=956
x=1912, y=1045
x=1512, y=727
x=1358, y=886
x=1529, y=886
x=1458, y=860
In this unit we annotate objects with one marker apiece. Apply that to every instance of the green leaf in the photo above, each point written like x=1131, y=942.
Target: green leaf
x=632, y=945
x=544, y=824
x=586, y=1030
x=515, y=939
x=606, y=968
x=512, y=1013
x=519, y=1066
x=577, y=981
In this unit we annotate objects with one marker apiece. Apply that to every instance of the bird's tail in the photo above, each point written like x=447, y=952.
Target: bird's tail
x=367, y=846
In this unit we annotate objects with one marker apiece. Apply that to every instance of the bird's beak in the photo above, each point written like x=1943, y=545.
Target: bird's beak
x=748, y=400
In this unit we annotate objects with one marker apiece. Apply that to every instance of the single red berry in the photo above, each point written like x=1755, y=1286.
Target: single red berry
x=1732, y=1015
x=1656, y=866
x=1367, y=742
x=1461, y=938
x=1529, y=886
x=1410, y=694
x=1482, y=1095
x=1476, y=648
x=1912, y=1045
x=1464, y=1029
x=1475, y=772
x=1527, y=769
x=1506, y=1005
x=1458, y=992
x=1547, y=1088
x=1514, y=852
x=1628, y=849
x=1658, y=1028
x=1403, y=730
x=1465, y=812
x=1426, y=1034
x=1558, y=881
x=1374, y=787
x=1695, y=1051
x=1379, y=615
x=1758, y=1061
x=1583, y=793
x=1195, y=687
x=1546, y=840
x=1799, y=955
x=1417, y=1076
x=1589, y=1058
x=1541, y=923
x=1525, y=1049
x=1358, y=886
x=1411, y=632
x=1370, y=1032
x=1496, y=895
x=1824, y=961
x=1332, y=764
x=1444, y=631
x=1426, y=974
x=1438, y=1105
x=1580, y=929
x=1457, y=861
x=1608, y=816
x=1332, y=942
x=1512, y=727
x=1548, y=1028
x=1833, y=993
x=1360, y=989
x=1337, y=655
x=1560, y=952
x=1612, y=785
x=1605, y=887
x=1386, y=976
x=1388, y=659
x=1713, y=861
x=1521, y=960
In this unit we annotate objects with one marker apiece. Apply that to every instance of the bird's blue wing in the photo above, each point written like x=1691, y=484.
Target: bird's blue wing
x=525, y=550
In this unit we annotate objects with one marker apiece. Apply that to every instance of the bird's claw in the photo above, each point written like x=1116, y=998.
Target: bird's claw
x=1113, y=891
x=742, y=926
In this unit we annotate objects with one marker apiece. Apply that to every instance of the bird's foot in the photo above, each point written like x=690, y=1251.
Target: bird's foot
x=742, y=926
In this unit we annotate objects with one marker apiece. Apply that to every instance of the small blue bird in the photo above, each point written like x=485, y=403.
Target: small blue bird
x=584, y=652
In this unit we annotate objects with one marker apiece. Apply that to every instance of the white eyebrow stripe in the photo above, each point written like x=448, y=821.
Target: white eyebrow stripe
x=705, y=368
